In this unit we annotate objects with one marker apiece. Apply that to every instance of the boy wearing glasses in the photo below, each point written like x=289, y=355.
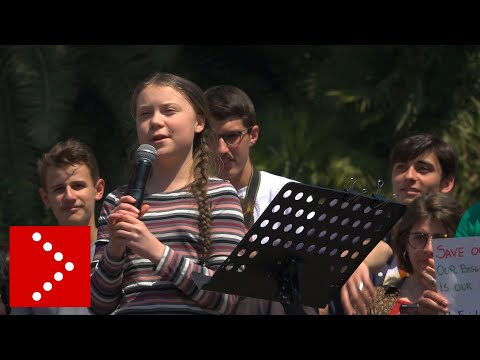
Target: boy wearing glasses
x=421, y=164
x=237, y=128
x=434, y=215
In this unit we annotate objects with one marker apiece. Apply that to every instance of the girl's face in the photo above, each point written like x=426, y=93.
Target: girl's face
x=418, y=254
x=166, y=120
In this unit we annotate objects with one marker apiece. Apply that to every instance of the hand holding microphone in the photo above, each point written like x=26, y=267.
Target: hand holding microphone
x=145, y=157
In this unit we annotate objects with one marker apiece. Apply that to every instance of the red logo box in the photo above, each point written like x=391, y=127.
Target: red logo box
x=50, y=266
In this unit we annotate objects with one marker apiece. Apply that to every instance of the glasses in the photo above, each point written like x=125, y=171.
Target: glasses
x=234, y=137
x=419, y=240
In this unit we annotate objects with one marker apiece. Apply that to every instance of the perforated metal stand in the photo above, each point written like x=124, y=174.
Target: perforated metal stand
x=304, y=246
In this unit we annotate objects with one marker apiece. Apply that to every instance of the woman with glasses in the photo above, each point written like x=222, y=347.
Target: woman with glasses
x=431, y=216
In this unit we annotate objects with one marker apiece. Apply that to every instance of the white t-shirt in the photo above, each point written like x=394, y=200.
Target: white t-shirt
x=269, y=187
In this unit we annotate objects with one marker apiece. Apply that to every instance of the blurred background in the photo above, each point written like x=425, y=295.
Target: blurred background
x=327, y=112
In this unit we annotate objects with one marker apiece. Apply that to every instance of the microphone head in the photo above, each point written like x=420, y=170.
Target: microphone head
x=146, y=152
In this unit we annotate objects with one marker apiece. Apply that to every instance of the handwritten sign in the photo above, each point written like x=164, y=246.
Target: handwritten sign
x=457, y=271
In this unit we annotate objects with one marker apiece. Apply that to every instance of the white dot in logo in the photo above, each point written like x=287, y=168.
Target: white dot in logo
x=47, y=246
x=58, y=276
x=47, y=286
x=36, y=296
x=69, y=266
x=36, y=236
x=58, y=256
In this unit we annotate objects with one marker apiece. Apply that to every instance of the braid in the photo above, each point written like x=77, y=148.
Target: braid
x=203, y=143
x=199, y=191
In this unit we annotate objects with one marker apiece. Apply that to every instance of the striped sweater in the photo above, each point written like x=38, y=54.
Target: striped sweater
x=135, y=285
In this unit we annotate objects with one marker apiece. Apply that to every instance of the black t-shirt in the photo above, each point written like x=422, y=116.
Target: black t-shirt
x=4, y=281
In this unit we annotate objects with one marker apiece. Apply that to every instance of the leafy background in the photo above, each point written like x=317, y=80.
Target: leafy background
x=327, y=113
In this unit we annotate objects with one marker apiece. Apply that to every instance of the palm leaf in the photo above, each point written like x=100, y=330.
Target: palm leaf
x=37, y=89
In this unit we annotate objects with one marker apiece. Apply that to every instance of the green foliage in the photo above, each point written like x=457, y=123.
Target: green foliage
x=37, y=92
x=327, y=113
x=465, y=137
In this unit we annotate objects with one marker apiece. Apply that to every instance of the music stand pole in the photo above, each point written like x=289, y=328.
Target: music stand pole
x=289, y=288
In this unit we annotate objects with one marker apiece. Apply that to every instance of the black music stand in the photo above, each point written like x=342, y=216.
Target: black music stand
x=304, y=246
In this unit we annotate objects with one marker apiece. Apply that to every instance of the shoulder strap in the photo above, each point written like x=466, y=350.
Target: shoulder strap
x=249, y=202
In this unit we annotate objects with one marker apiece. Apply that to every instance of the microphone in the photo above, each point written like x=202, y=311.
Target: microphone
x=145, y=156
